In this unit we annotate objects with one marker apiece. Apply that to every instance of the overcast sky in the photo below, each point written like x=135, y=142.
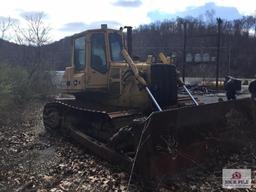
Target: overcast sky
x=67, y=17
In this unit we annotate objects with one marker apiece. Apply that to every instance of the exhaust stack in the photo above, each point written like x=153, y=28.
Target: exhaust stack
x=104, y=26
x=129, y=39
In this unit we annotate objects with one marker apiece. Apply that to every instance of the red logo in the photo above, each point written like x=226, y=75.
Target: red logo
x=236, y=175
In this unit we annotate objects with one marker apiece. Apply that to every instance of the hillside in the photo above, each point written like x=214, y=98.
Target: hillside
x=55, y=55
x=237, y=45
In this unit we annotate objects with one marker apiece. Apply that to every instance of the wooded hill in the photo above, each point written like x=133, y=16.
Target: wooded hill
x=237, y=48
x=55, y=56
x=237, y=45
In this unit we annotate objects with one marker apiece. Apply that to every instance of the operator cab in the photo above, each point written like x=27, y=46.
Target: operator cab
x=92, y=55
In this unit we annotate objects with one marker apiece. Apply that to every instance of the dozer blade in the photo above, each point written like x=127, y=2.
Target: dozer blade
x=177, y=139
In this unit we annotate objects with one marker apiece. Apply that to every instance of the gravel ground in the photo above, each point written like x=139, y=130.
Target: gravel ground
x=32, y=160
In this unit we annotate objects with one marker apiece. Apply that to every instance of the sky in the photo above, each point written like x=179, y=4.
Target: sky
x=66, y=17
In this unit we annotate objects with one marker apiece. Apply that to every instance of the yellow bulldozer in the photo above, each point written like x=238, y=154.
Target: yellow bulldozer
x=128, y=112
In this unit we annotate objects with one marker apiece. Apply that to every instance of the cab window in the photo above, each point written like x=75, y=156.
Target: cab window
x=98, y=56
x=79, y=53
x=116, y=46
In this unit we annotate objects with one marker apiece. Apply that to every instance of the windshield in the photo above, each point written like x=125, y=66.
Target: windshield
x=99, y=62
x=116, y=46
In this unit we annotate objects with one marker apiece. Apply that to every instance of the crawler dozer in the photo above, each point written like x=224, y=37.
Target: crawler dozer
x=128, y=112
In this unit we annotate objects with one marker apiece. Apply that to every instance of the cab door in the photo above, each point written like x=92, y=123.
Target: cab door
x=99, y=67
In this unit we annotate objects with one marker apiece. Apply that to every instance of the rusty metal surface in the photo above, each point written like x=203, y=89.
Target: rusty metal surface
x=180, y=138
x=122, y=114
x=172, y=141
x=100, y=149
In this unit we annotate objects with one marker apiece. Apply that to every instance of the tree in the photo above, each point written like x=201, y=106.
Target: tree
x=5, y=24
x=36, y=32
x=34, y=35
x=210, y=16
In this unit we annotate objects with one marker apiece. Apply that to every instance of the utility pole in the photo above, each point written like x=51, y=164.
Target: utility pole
x=184, y=51
x=219, y=21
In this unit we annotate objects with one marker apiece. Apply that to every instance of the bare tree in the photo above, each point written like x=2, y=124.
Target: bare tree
x=36, y=31
x=34, y=34
x=5, y=24
x=210, y=16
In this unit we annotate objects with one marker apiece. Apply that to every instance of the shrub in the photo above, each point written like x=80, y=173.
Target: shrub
x=14, y=86
x=41, y=84
x=18, y=87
